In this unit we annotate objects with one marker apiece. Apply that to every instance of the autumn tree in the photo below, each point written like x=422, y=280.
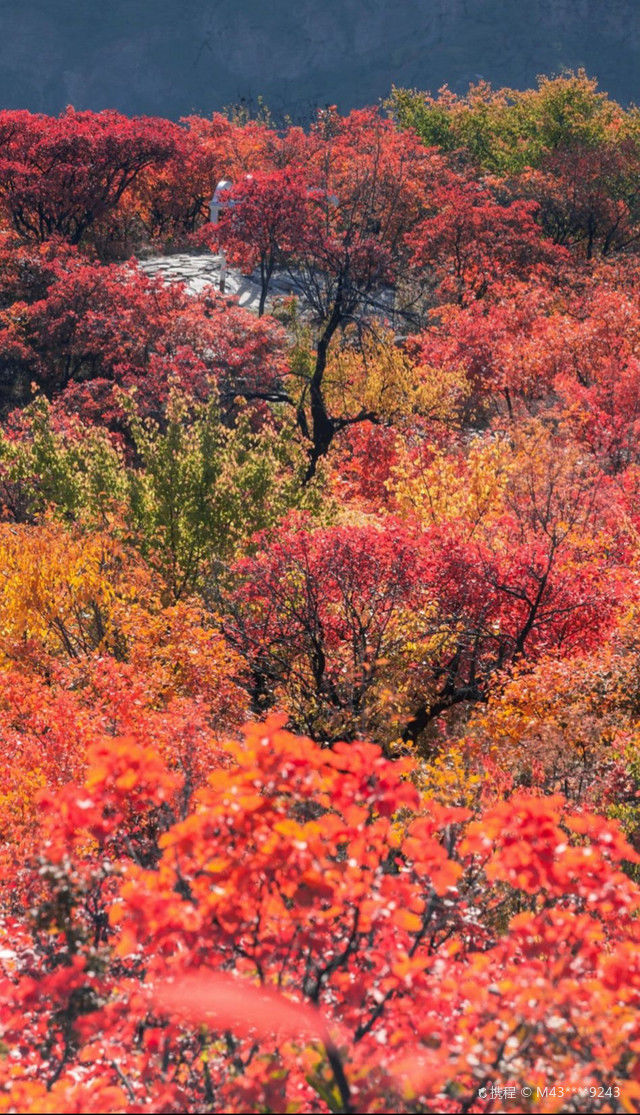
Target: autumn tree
x=59, y=175
x=274, y=972
x=103, y=325
x=471, y=243
x=588, y=196
x=506, y=131
x=366, y=184
x=407, y=622
x=188, y=493
x=508, y=556
x=320, y=615
x=263, y=223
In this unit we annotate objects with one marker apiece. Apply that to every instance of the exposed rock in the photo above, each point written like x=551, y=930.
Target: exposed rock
x=200, y=271
x=172, y=57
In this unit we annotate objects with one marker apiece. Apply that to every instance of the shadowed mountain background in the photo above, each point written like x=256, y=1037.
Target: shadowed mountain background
x=173, y=57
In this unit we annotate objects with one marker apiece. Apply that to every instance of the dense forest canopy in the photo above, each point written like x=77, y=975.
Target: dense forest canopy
x=319, y=715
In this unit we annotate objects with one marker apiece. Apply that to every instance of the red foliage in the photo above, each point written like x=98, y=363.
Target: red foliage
x=96, y=326
x=588, y=195
x=59, y=175
x=327, y=618
x=316, y=613
x=386, y=939
x=263, y=222
x=195, y=922
x=471, y=242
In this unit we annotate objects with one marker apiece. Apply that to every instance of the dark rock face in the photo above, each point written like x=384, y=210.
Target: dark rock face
x=173, y=57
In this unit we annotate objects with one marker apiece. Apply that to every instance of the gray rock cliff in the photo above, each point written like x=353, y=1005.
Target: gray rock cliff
x=173, y=57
